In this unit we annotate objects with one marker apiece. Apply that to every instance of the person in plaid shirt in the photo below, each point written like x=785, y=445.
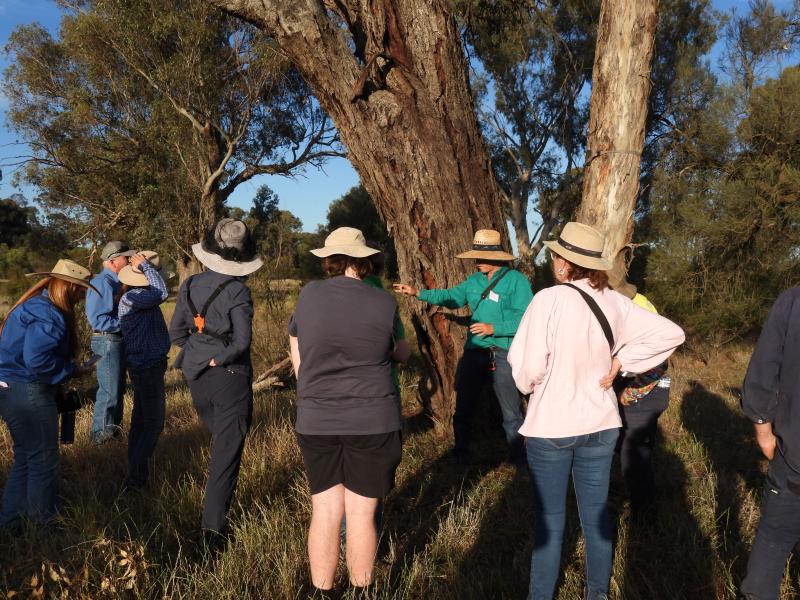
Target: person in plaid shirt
x=146, y=346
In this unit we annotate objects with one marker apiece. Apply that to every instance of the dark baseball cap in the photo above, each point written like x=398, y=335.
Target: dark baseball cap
x=115, y=248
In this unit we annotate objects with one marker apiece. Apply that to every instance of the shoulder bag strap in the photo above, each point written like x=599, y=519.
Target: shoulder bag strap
x=494, y=282
x=213, y=296
x=598, y=313
x=192, y=307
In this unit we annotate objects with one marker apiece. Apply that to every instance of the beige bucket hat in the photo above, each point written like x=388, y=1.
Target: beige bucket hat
x=68, y=270
x=488, y=245
x=130, y=275
x=228, y=249
x=345, y=240
x=582, y=245
x=617, y=277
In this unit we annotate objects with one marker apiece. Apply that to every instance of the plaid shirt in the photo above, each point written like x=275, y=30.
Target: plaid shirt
x=142, y=322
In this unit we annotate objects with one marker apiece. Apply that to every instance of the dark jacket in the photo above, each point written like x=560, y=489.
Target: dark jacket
x=772, y=383
x=230, y=315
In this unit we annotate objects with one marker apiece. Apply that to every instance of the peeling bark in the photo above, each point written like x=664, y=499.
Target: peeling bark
x=618, y=110
x=411, y=133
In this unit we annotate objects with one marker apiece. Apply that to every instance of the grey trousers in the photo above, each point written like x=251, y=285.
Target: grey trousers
x=223, y=400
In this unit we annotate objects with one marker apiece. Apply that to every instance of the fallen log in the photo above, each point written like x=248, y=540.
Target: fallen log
x=273, y=377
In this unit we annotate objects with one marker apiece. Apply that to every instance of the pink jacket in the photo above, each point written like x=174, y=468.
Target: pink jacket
x=559, y=355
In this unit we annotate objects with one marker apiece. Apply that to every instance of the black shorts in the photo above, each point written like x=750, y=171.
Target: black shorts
x=364, y=464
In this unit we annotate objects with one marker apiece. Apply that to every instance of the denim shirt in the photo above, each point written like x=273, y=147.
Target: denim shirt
x=142, y=322
x=101, y=309
x=34, y=345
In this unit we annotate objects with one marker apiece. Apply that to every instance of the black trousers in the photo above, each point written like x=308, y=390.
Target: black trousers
x=472, y=375
x=778, y=532
x=636, y=441
x=223, y=400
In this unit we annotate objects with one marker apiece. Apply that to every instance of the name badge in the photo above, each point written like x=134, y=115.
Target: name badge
x=494, y=297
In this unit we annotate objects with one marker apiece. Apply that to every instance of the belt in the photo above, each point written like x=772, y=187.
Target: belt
x=107, y=333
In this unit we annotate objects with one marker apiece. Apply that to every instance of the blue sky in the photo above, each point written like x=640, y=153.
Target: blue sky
x=307, y=195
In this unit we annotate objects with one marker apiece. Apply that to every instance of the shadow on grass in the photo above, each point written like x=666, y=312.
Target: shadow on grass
x=727, y=436
x=498, y=563
x=665, y=540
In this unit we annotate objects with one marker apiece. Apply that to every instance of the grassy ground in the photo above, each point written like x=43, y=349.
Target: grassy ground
x=448, y=532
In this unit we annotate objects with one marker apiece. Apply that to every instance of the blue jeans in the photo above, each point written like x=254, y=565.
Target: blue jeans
x=473, y=373
x=550, y=461
x=778, y=532
x=29, y=410
x=147, y=419
x=108, y=405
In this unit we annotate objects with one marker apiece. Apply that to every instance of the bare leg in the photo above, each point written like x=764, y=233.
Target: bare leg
x=323, y=535
x=362, y=537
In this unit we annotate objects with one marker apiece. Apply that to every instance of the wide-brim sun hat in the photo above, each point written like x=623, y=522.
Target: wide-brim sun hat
x=345, y=240
x=617, y=277
x=130, y=275
x=228, y=249
x=68, y=270
x=487, y=245
x=581, y=245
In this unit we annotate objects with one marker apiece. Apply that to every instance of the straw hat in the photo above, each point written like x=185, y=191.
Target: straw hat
x=581, y=245
x=345, y=240
x=130, y=275
x=617, y=277
x=68, y=271
x=228, y=249
x=487, y=244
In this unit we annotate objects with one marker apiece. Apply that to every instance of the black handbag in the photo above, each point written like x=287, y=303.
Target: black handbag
x=67, y=401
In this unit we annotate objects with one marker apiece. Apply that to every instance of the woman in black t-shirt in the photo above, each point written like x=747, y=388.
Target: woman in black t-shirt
x=348, y=411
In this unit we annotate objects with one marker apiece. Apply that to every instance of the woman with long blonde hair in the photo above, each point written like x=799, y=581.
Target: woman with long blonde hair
x=37, y=349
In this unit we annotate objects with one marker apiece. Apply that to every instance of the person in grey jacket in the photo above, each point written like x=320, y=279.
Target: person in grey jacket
x=771, y=399
x=212, y=324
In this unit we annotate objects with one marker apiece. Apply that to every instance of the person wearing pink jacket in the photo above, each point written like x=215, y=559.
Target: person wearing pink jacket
x=572, y=341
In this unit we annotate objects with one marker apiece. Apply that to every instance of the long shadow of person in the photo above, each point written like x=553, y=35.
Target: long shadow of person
x=416, y=508
x=415, y=511
x=727, y=437
x=498, y=562
x=663, y=552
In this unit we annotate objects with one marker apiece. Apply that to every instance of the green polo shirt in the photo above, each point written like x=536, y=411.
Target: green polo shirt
x=503, y=308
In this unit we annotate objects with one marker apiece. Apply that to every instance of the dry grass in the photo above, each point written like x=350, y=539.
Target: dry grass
x=448, y=533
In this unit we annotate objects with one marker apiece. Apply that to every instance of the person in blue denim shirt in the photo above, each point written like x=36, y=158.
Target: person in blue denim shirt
x=144, y=332
x=37, y=347
x=101, y=311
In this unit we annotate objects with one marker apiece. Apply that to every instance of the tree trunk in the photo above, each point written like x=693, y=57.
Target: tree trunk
x=518, y=215
x=620, y=87
x=186, y=266
x=396, y=88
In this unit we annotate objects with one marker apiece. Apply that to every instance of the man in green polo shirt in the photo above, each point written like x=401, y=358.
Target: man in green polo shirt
x=498, y=296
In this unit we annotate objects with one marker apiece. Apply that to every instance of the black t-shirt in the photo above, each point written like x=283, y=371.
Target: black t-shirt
x=344, y=332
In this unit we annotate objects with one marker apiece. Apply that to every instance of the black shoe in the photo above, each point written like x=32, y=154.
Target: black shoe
x=131, y=487
x=460, y=457
x=319, y=594
x=214, y=542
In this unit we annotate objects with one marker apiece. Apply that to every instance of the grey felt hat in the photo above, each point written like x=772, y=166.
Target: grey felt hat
x=228, y=249
x=115, y=248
